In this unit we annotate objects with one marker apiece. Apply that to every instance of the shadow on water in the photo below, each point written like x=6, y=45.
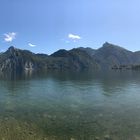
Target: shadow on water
x=70, y=105
x=72, y=75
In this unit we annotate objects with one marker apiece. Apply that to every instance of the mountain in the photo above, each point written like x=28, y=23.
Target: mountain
x=75, y=59
x=109, y=56
x=88, y=50
x=136, y=57
x=17, y=60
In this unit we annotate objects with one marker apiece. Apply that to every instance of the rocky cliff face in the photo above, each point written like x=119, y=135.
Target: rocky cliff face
x=19, y=60
x=22, y=60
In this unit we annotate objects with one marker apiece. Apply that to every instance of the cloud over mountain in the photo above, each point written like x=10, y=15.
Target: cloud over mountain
x=9, y=37
x=74, y=37
x=31, y=45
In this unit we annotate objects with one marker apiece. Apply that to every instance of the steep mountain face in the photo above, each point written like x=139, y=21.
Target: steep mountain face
x=109, y=55
x=17, y=60
x=112, y=56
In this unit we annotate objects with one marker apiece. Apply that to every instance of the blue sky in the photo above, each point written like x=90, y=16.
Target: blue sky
x=48, y=25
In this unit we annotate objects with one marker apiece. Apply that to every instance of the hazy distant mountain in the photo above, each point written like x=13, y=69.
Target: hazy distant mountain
x=75, y=59
x=136, y=57
x=109, y=56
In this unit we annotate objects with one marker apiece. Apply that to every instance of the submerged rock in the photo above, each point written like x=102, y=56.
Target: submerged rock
x=97, y=138
x=107, y=137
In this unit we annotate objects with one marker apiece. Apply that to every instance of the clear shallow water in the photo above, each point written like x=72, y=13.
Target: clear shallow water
x=70, y=106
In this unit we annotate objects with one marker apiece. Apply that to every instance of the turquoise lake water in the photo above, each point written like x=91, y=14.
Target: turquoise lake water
x=70, y=106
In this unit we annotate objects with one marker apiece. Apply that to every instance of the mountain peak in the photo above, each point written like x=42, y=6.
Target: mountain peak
x=12, y=49
x=107, y=45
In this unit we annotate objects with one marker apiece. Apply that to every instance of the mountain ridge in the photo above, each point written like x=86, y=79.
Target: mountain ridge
x=109, y=56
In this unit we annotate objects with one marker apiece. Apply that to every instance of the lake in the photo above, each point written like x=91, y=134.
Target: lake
x=70, y=106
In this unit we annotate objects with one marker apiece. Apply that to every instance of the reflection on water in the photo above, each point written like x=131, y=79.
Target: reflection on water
x=70, y=106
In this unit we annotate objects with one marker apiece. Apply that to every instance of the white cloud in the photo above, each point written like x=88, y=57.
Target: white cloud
x=74, y=37
x=31, y=45
x=9, y=37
